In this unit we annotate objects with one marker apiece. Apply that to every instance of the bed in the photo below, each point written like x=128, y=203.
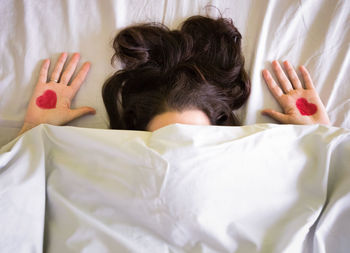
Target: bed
x=54, y=202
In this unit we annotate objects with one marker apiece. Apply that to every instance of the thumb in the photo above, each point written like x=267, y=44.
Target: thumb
x=280, y=117
x=76, y=113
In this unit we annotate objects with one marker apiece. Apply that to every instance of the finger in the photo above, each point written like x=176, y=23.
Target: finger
x=273, y=87
x=43, y=71
x=76, y=113
x=79, y=79
x=280, y=117
x=307, y=78
x=281, y=76
x=67, y=74
x=58, y=67
x=292, y=75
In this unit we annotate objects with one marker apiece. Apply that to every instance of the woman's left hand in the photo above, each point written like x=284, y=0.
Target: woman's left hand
x=51, y=100
x=300, y=105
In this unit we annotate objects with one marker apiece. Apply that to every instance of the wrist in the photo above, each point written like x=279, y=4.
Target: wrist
x=26, y=126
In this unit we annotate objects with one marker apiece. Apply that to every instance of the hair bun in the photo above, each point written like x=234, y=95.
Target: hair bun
x=217, y=42
x=152, y=44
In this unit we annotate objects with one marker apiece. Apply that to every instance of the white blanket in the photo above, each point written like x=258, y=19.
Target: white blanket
x=261, y=188
x=315, y=33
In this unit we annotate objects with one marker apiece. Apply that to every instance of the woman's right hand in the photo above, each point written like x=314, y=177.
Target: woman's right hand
x=51, y=100
x=300, y=106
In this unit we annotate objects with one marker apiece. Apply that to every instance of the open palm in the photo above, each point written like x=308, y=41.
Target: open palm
x=51, y=100
x=300, y=105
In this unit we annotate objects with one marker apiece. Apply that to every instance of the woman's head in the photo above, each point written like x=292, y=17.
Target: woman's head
x=199, y=68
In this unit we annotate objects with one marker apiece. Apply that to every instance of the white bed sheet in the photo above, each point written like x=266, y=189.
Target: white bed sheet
x=315, y=33
x=199, y=189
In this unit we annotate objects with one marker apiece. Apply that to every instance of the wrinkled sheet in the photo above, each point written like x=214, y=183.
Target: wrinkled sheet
x=313, y=33
x=260, y=188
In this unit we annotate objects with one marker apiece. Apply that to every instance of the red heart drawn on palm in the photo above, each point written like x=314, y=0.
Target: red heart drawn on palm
x=47, y=100
x=306, y=108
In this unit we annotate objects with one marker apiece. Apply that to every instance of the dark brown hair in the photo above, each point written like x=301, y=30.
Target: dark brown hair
x=200, y=66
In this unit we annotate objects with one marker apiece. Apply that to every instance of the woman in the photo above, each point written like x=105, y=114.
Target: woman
x=194, y=75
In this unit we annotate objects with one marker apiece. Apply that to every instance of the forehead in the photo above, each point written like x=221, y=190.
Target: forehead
x=189, y=117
